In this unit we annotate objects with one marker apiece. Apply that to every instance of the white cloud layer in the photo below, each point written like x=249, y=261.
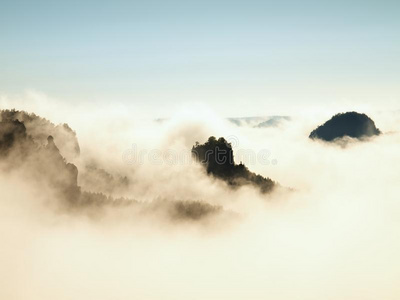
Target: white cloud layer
x=336, y=235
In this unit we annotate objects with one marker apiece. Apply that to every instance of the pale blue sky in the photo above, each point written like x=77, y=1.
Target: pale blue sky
x=222, y=53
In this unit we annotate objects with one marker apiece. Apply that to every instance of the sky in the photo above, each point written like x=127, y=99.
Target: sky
x=241, y=58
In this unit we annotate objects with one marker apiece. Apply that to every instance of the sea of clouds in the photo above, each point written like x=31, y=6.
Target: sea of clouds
x=331, y=232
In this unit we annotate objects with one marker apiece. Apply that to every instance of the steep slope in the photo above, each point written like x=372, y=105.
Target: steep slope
x=39, y=129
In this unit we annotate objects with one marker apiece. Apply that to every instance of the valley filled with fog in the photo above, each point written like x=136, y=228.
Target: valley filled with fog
x=152, y=222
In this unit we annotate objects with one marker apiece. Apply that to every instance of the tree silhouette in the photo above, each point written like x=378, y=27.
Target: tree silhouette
x=217, y=158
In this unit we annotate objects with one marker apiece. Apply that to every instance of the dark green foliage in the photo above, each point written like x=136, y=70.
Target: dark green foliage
x=217, y=158
x=11, y=133
x=192, y=210
x=350, y=124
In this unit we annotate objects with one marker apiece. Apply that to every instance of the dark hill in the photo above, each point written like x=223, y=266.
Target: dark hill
x=350, y=124
x=217, y=158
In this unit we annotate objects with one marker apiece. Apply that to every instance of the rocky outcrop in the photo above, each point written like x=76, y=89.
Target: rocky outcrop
x=217, y=158
x=39, y=129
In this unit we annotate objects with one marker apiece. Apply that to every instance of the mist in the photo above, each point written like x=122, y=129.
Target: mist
x=330, y=231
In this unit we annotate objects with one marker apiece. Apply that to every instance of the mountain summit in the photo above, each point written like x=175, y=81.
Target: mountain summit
x=350, y=124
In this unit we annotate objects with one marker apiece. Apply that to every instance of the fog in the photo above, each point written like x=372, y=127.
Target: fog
x=330, y=231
